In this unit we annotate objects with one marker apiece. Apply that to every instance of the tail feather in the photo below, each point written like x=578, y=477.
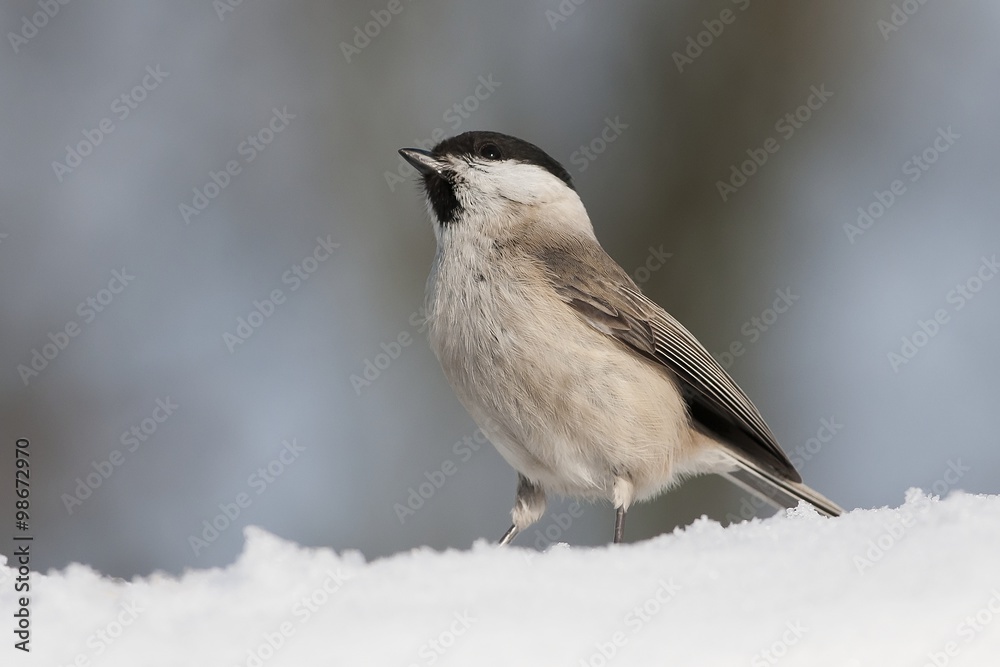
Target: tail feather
x=777, y=491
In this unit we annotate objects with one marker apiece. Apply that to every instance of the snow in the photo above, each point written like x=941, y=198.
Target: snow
x=913, y=585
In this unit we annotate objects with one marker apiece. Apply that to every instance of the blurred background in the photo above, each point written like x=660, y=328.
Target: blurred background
x=212, y=259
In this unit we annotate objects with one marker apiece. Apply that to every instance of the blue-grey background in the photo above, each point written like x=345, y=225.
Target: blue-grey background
x=558, y=74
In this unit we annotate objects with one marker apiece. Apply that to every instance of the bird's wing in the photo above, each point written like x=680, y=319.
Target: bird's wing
x=600, y=291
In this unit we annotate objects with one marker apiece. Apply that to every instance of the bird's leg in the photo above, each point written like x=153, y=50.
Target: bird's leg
x=623, y=494
x=509, y=536
x=619, y=524
x=529, y=506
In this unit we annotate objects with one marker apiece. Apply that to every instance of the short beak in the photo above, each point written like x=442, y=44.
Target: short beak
x=421, y=160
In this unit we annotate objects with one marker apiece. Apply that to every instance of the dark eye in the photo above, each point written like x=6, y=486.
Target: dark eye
x=490, y=152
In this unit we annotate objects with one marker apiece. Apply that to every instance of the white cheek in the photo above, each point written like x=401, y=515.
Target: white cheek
x=523, y=183
x=494, y=195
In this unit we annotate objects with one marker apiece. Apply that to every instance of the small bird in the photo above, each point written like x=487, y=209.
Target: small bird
x=585, y=386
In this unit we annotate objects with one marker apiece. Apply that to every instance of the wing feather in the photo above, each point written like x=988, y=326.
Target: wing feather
x=608, y=300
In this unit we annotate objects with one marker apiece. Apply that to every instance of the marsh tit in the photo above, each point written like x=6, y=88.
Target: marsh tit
x=583, y=384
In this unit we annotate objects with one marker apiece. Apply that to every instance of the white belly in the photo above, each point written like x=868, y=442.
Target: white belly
x=566, y=406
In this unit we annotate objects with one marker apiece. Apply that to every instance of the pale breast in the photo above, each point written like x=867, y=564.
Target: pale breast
x=565, y=405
